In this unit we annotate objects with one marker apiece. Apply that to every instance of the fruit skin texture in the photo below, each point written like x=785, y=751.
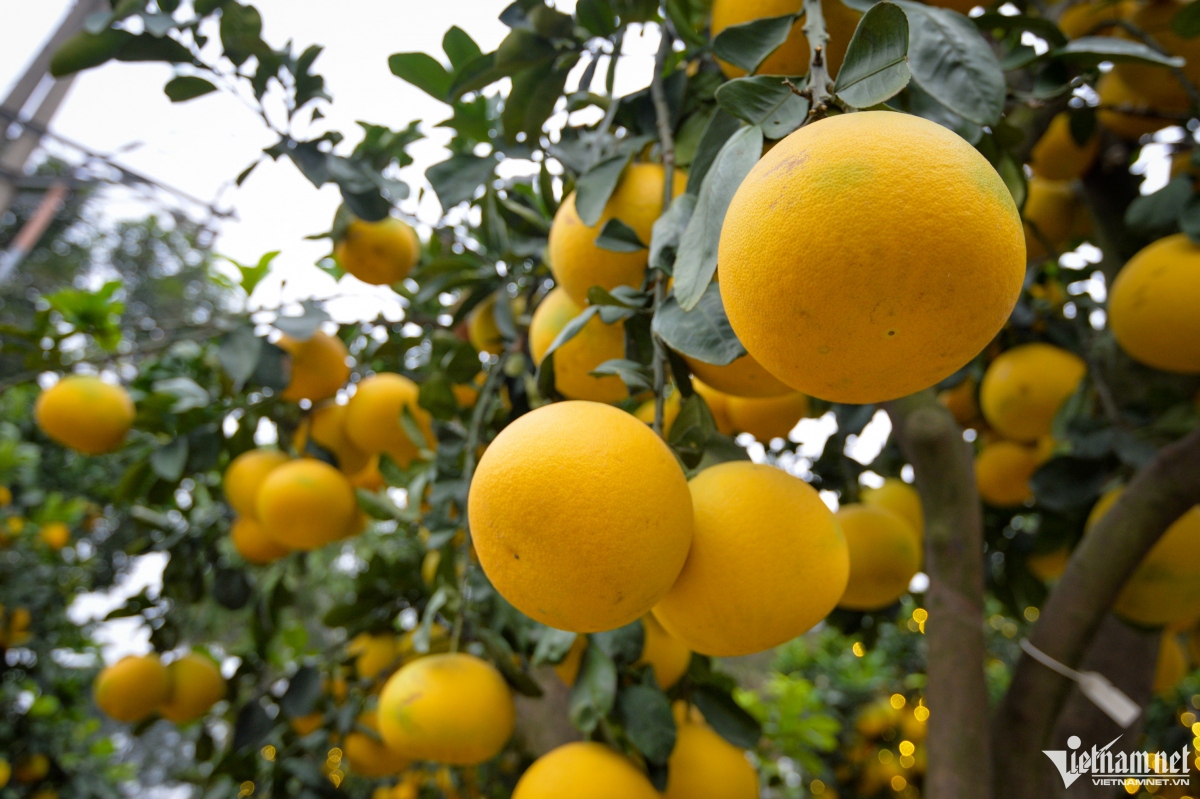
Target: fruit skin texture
x=374, y=654
x=584, y=770
x=868, y=312
x=306, y=504
x=1024, y=387
x=766, y=418
x=1052, y=207
x=1171, y=667
x=792, y=57
x=318, y=367
x=884, y=556
x=196, y=685
x=1152, y=307
x=1057, y=156
x=574, y=361
x=1002, y=472
x=581, y=516
x=245, y=475
x=704, y=765
x=367, y=755
x=768, y=561
x=85, y=414
x=326, y=426
x=132, y=689
x=253, y=543
x=373, y=417
x=575, y=260
x=379, y=253
x=1115, y=92
x=668, y=655
x=453, y=709
x=745, y=377
x=900, y=498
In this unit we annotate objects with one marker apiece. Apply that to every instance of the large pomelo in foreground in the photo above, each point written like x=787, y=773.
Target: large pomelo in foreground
x=870, y=255
x=581, y=516
x=768, y=562
x=584, y=770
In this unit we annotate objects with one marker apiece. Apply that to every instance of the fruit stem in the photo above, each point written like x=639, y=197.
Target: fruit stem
x=666, y=138
x=817, y=91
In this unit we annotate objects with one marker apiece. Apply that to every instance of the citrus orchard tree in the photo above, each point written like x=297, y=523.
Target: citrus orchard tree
x=514, y=544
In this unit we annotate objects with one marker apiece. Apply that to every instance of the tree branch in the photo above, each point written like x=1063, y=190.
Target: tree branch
x=1159, y=493
x=959, y=762
x=666, y=139
x=817, y=91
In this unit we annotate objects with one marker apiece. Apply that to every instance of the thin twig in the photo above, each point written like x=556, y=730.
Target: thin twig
x=817, y=90
x=666, y=138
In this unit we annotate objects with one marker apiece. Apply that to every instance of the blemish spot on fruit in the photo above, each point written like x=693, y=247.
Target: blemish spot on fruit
x=823, y=349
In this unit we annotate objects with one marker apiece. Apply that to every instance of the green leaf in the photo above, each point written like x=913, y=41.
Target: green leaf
x=619, y=237
x=523, y=49
x=436, y=395
x=572, y=328
x=238, y=355
x=251, y=727
x=704, y=333
x=1160, y=211
x=553, y=646
x=274, y=368
x=152, y=48
x=1189, y=219
x=876, y=64
x=241, y=33
x=748, y=45
x=231, y=589
x=1187, y=21
x=535, y=92
x=459, y=47
x=596, y=17
x=624, y=644
x=1089, y=51
x=87, y=50
x=636, y=376
x=696, y=260
x=188, y=394
x=187, y=87
x=169, y=460
x=304, y=326
x=457, y=179
x=303, y=691
x=595, y=186
x=423, y=71
x=692, y=430
x=764, y=100
x=727, y=718
x=502, y=656
x=720, y=127
x=646, y=716
x=595, y=690
x=475, y=75
x=668, y=230
x=1039, y=26
x=1066, y=482
x=253, y=275
x=952, y=61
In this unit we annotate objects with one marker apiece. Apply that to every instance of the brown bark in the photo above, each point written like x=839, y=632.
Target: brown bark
x=1158, y=495
x=543, y=723
x=959, y=762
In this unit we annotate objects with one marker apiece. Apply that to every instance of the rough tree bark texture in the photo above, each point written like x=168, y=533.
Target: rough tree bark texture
x=1158, y=495
x=959, y=762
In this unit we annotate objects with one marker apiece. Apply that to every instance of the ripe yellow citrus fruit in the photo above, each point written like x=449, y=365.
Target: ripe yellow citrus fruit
x=369, y=477
x=792, y=57
x=1116, y=93
x=1057, y=156
x=568, y=668
x=5, y=772
x=704, y=765
x=575, y=260
x=575, y=360
x=367, y=753
x=961, y=402
x=132, y=689
x=252, y=542
x=482, y=328
x=1002, y=473
x=373, y=417
x=6, y=496
x=1152, y=306
x=767, y=417
x=85, y=414
x=379, y=253
x=745, y=377
x=454, y=709
x=374, y=654
x=1024, y=388
x=306, y=504
x=1093, y=18
x=667, y=655
x=1171, y=667
x=671, y=406
x=196, y=685
x=768, y=561
x=581, y=516
x=55, y=535
x=584, y=770
x=1051, y=208
x=1155, y=18
x=326, y=427
x=319, y=367
x=1047, y=566
x=900, y=498
x=868, y=311
x=884, y=556
x=245, y=476
x=718, y=405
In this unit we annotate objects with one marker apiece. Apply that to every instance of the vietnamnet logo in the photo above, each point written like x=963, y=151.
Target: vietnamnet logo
x=1106, y=767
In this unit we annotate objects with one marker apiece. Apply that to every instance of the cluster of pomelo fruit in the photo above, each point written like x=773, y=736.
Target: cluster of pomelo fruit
x=140, y=686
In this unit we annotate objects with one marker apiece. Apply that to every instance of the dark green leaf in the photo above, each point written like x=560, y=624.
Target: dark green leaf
x=241, y=32
x=646, y=717
x=436, y=395
x=668, y=230
x=1067, y=482
x=502, y=656
x=475, y=75
x=1039, y=26
x=86, y=50
x=692, y=430
x=1160, y=211
x=704, y=333
x=764, y=100
x=168, y=460
x=727, y=717
x=152, y=48
x=238, y=355
x=720, y=127
x=274, y=368
x=1189, y=219
x=251, y=727
x=553, y=646
x=1090, y=51
x=624, y=644
x=572, y=328
x=923, y=105
x=423, y=71
x=231, y=589
x=457, y=179
x=595, y=186
x=596, y=16
x=459, y=47
x=748, y=45
x=635, y=375
x=595, y=690
x=523, y=49
x=535, y=92
x=876, y=65
x=187, y=87
x=1187, y=21
x=305, y=326
x=619, y=237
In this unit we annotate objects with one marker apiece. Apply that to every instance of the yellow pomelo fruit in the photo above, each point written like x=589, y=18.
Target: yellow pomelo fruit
x=369, y=477
x=1171, y=667
x=326, y=426
x=1165, y=588
x=961, y=402
x=132, y=689
x=32, y=768
x=581, y=516
x=792, y=57
x=372, y=420
x=5, y=772
x=439, y=643
x=1048, y=566
x=306, y=725
x=704, y=765
x=575, y=260
x=1155, y=83
x=1087, y=19
x=245, y=476
x=196, y=685
x=1002, y=473
x=1051, y=207
x=55, y=535
x=884, y=556
x=306, y=504
x=1152, y=307
x=482, y=329
x=367, y=752
x=319, y=367
x=718, y=405
x=6, y=496
x=1057, y=156
x=568, y=669
x=745, y=377
x=575, y=360
x=671, y=406
x=768, y=562
x=900, y=498
x=374, y=654
x=1024, y=388
x=864, y=313
x=379, y=253
x=584, y=770
x=85, y=414
x=454, y=709
x=1116, y=93
x=667, y=655
x=253, y=543
x=768, y=417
